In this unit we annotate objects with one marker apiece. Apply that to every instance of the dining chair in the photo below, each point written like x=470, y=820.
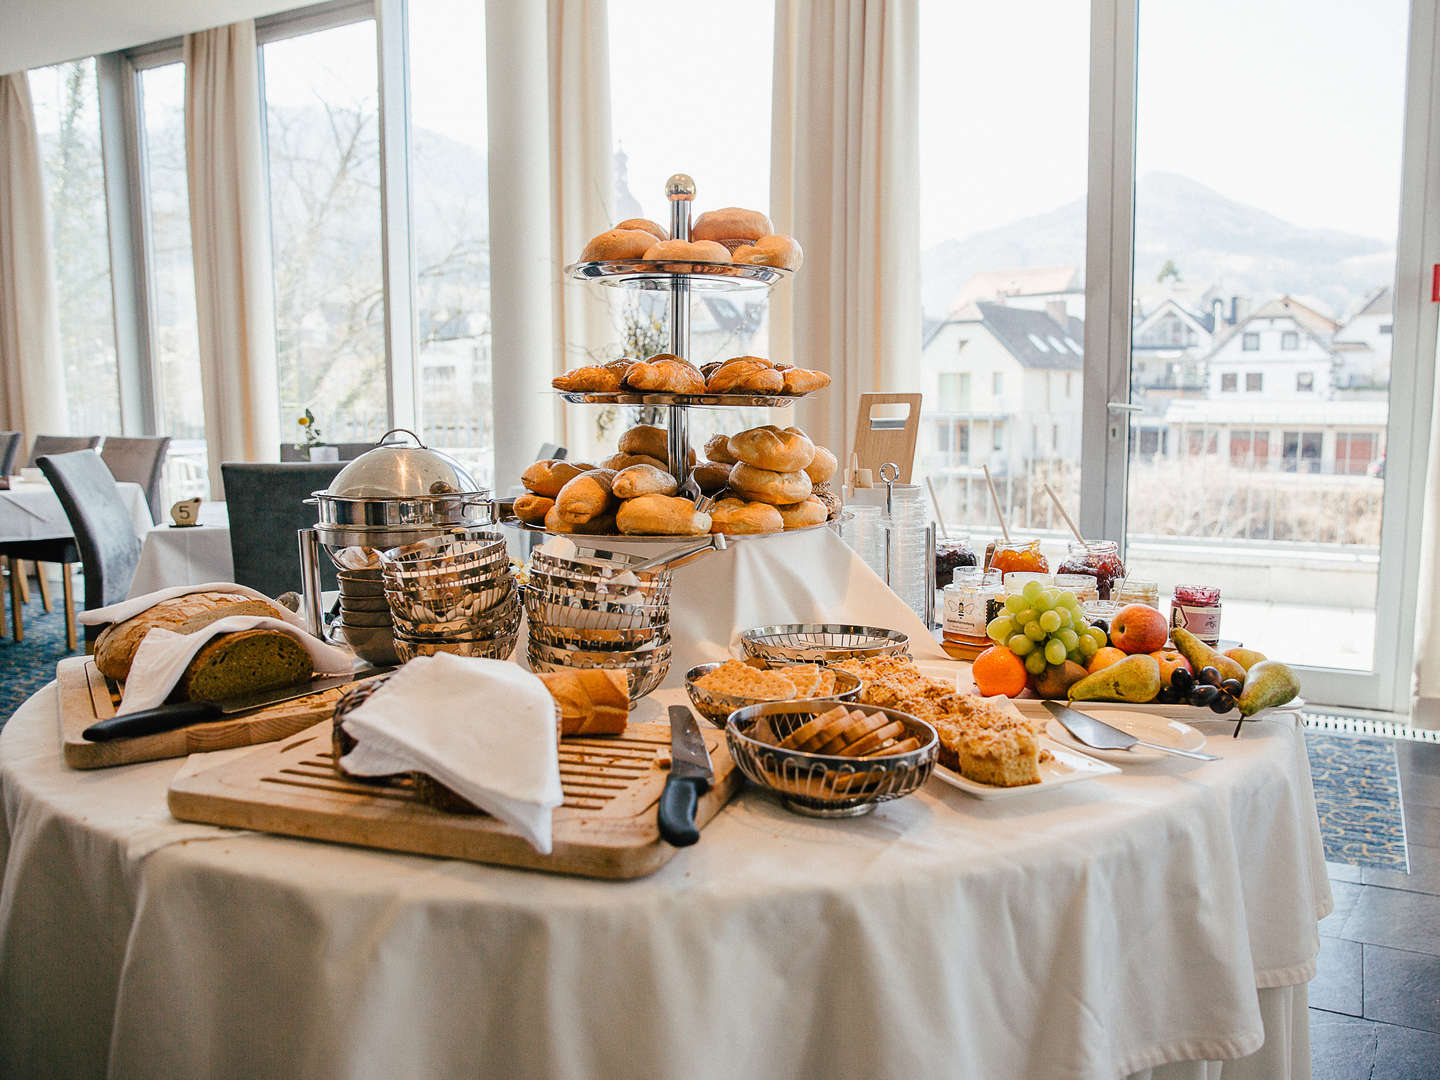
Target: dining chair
x=104, y=540
x=138, y=461
x=266, y=505
x=60, y=444
x=9, y=451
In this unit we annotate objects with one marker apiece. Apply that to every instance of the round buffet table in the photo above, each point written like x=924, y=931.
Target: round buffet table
x=1144, y=923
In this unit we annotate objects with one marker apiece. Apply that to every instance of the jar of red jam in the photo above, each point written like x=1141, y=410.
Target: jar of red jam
x=1197, y=608
x=1023, y=555
x=1099, y=559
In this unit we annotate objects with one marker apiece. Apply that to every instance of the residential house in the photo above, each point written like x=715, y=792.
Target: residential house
x=1033, y=287
x=1362, y=344
x=1281, y=350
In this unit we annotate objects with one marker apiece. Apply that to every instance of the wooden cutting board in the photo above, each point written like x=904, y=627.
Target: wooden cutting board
x=879, y=440
x=87, y=696
x=606, y=828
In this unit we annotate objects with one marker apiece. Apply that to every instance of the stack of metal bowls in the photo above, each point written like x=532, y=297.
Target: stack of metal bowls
x=589, y=611
x=454, y=593
x=365, y=616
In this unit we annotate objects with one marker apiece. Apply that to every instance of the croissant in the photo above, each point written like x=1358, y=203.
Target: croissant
x=804, y=380
x=748, y=374
x=596, y=380
x=665, y=376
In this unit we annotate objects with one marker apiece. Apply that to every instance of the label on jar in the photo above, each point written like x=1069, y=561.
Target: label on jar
x=1203, y=622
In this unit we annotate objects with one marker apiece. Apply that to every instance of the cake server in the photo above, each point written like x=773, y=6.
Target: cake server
x=691, y=775
x=184, y=713
x=1103, y=736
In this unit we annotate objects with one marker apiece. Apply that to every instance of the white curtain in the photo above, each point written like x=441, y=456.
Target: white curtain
x=230, y=233
x=844, y=165
x=582, y=187
x=33, y=387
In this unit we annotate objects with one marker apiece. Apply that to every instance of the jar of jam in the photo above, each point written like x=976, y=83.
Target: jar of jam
x=1082, y=585
x=951, y=554
x=1012, y=555
x=1099, y=559
x=1135, y=591
x=1197, y=608
x=966, y=603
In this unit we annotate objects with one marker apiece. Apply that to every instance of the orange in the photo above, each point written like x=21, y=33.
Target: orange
x=997, y=670
x=1103, y=658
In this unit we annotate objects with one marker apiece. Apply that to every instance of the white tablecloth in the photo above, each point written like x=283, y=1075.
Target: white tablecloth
x=173, y=556
x=30, y=510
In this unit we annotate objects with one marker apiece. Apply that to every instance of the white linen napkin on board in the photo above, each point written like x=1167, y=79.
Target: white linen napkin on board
x=128, y=609
x=483, y=728
x=164, y=655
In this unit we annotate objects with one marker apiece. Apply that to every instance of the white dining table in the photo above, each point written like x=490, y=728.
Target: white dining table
x=191, y=555
x=30, y=510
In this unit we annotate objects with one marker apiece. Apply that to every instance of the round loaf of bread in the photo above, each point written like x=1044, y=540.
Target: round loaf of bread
x=646, y=439
x=640, y=480
x=782, y=252
x=645, y=225
x=826, y=494
x=822, y=466
x=244, y=662
x=116, y=645
x=737, y=516
x=773, y=448
x=768, y=486
x=712, y=476
x=620, y=462
x=618, y=244
x=731, y=223
x=717, y=448
x=703, y=251
x=809, y=511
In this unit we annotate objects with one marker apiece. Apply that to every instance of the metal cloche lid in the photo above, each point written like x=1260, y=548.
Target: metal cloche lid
x=397, y=471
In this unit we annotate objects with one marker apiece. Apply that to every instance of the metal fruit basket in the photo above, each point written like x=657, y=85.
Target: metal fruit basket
x=717, y=707
x=645, y=669
x=823, y=643
x=826, y=785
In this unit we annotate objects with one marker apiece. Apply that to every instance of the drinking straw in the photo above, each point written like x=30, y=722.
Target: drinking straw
x=1004, y=529
x=1068, y=520
x=940, y=518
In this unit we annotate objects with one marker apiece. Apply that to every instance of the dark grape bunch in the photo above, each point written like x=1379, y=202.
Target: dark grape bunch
x=1203, y=690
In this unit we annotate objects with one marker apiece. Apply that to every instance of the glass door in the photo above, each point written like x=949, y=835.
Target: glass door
x=1265, y=399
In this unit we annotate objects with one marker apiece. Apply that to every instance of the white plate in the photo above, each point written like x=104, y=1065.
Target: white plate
x=1162, y=730
x=1191, y=714
x=1065, y=767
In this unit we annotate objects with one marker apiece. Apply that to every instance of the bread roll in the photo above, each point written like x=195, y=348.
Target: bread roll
x=826, y=494
x=712, y=476
x=618, y=244
x=586, y=497
x=809, y=511
x=604, y=525
x=589, y=380
x=532, y=509
x=116, y=645
x=731, y=223
x=640, y=480
x=822, y=466
x=782, y=252
x=665, y=376
x=646, y=439
x=804, y=380
x=548, y=475
x=768, y=486
x=746, y=374
x=661, y=515
x=593, y=701
x=740, y=516
x=620, y=462
x=773, y=448
x=243, y=662
x=717, y=449
x=645, y=225
x=684, y=251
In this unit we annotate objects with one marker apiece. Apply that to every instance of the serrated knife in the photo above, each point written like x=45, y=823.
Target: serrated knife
x=1102, y=736
x=691, y=775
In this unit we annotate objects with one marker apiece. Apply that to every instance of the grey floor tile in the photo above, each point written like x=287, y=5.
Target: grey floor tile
x=1345, y=894
x=1402, y=988
x=1399, y=920
x=1424, y=875
x=1405, y=1054
x=1419, y=789
x=1417, y=757
x=1337, y=984
x=1341, y=1047
x=1339, y=871
x=1422, y=825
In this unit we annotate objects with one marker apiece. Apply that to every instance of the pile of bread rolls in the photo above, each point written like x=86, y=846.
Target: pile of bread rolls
x=667, y=373
x=776, y=479
x=730, y=235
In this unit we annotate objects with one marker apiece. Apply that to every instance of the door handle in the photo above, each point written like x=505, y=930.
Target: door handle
x=1123, y=406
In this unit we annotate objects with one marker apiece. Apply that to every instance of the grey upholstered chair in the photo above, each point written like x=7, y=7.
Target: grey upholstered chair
x=266, y=505
x=104, y=541
x=138, y=461
x=349, y=451
x=9, y=451
x=60, y=444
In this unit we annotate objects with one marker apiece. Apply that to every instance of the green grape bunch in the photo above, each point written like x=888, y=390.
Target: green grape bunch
x=1042, y=626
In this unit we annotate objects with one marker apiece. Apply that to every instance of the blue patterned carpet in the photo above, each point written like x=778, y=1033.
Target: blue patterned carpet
x=1357, y=793
x=26, y=667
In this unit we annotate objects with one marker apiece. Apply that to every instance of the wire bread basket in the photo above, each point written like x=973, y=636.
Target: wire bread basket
x=645, y=669
x=824, y=643
x=717, y=707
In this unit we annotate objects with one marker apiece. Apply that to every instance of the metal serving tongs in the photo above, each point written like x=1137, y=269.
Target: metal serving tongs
x=714, y=542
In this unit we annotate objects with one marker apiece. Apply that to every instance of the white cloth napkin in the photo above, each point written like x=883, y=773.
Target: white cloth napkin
x=128, y=609
x=164, y=655
x=483, y=728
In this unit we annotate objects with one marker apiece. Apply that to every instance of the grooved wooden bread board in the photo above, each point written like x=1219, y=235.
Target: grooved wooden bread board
x=87, y=696
x=606, y=828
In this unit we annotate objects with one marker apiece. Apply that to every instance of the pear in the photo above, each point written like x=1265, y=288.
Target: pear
x=1057, y=679
x=1246, y=658
x=1136, y=678
x=1201, y=655
x=1267, y=684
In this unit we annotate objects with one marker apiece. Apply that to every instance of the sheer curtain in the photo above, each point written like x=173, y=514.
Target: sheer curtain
x=844, y=180
x=230, y=234
x=34, y=382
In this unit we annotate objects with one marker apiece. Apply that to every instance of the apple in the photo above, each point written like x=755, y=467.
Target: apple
x=1139, y=628
x=1103, y=658
x=1170, y=660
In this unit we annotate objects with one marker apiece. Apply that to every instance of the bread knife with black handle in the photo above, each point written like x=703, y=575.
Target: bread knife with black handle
x=691, y=775
x=180, y=714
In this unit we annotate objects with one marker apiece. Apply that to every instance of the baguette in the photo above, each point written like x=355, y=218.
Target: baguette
x=661, y=515
x=586, y=497
x=116, y=645
x=548, y=475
